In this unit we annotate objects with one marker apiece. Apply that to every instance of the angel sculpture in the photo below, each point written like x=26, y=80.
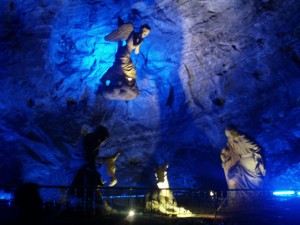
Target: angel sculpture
x=242, y=163
x=119, y=81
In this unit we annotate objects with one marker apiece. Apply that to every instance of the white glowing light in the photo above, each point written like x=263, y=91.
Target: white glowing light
x=162, y=185
x=131, y=213
x=129, y=78
x=211, y=193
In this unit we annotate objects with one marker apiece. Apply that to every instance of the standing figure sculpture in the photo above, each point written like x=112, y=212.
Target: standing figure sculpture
x=119, y=81
x=162, y=200
x=243, y=165
x=90, y=178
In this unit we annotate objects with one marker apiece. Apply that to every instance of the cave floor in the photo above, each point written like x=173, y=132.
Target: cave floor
x=140, y=219
x=165, y=220
x=281, y=216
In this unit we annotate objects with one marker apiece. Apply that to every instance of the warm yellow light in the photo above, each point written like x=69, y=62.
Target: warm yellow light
x=163, y=185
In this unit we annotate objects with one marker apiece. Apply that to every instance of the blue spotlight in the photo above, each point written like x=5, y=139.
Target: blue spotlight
x=107, y=82
x=298, y=193
x=5, y=195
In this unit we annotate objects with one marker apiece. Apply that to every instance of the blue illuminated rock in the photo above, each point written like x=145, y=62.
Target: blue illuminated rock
x=205, y=65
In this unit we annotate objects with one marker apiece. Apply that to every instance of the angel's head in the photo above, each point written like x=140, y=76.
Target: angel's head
x=144, y=30
x=231, y=133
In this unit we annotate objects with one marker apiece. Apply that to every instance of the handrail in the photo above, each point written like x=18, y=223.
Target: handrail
x=151, y=188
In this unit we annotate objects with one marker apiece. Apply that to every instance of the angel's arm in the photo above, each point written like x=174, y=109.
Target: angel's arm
x=137, y=50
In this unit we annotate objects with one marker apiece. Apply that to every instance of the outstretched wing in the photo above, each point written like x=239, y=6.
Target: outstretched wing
x=122, y=33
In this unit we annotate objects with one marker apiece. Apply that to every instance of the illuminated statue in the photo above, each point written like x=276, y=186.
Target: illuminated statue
x=108, y=169
x=119, y=81
x=162, y=200
x=242, y=163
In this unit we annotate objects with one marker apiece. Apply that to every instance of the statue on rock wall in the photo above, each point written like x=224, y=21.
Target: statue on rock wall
x=119, y=81
x=162, y=200
x=90, y=176
x=108, y=169
x=243, y=165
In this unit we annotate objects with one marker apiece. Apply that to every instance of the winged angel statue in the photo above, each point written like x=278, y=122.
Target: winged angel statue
x=119, y=81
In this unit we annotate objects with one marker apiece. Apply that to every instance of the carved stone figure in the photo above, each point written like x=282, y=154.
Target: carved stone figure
x=242, y=163
x=162, y=199
x=97, y=170
x=119, y=82
x=108, y=169
x=89, y=149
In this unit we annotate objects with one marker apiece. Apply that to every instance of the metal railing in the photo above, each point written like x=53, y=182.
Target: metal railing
x=110, y=201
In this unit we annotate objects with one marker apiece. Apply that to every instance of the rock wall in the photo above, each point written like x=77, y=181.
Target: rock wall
x=205, y=65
